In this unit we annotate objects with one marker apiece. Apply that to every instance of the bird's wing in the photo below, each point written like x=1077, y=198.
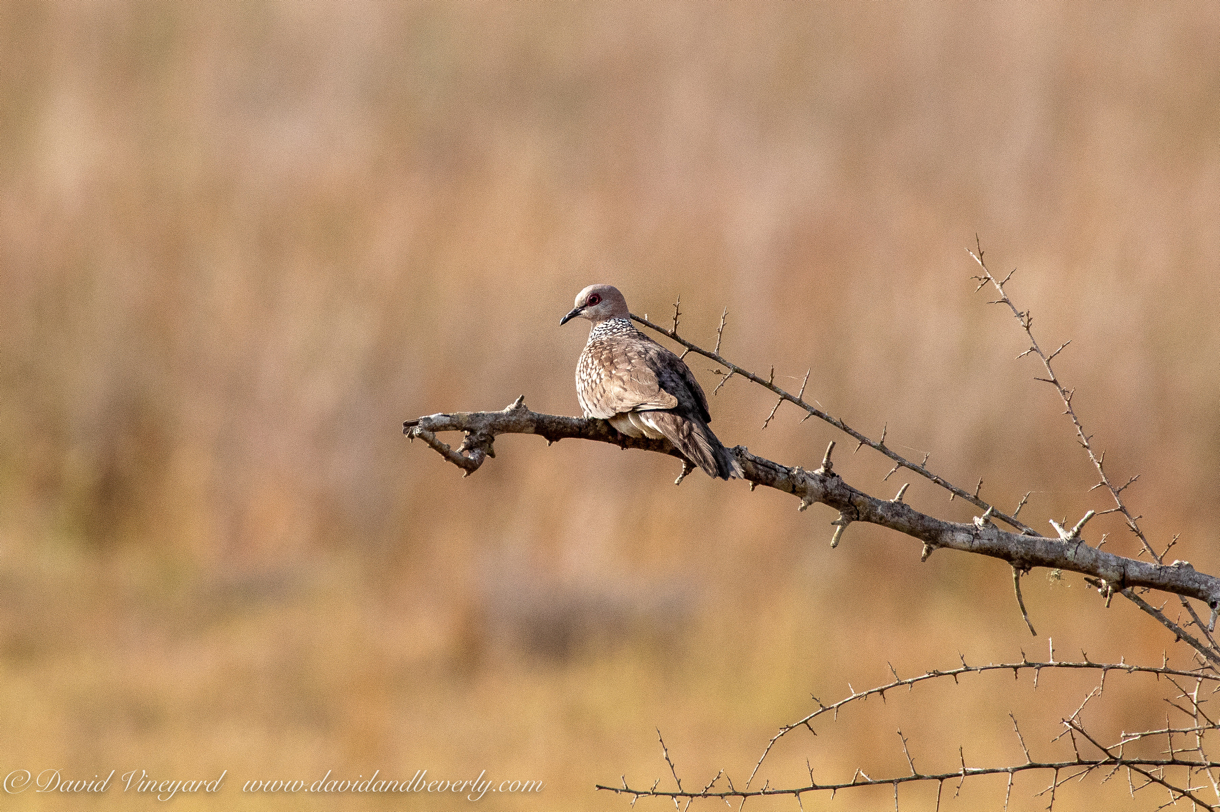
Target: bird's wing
x=676, y=378
x=678, y=389
x=622, y=376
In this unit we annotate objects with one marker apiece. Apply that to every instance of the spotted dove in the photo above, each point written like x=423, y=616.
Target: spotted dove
x=640, y=387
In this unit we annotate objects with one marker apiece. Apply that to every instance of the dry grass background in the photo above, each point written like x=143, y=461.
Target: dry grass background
x=240, y=243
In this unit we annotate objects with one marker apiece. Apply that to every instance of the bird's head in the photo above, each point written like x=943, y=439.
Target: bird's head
x=597, y=303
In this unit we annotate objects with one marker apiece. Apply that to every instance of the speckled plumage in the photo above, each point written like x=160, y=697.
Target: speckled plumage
x=640, y=387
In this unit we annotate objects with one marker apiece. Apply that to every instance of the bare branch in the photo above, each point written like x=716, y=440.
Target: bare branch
x=665, y=752
x=1065, y=394
x=1085, y=439
x=719, y=331
x=955, y=673
x=1016, y=585
x=1095, y=755
x=828, y=488
x=771, y=416
x=813, y=411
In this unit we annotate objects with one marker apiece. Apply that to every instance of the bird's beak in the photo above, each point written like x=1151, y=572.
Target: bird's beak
x=573, y=313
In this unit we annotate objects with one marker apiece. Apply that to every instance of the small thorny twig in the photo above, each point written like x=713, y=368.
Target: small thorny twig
x=812, y=411
x=1089, y=753
x=1017, y=572
x=1210, y=649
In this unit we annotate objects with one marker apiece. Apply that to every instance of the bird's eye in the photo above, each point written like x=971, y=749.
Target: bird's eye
x=594, y=299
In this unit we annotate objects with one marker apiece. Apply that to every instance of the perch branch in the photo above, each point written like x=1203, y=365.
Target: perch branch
x=828, y=488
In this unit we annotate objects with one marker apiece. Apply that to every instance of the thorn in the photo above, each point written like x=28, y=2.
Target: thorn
x=1074, y=533
x=1056, y=352
x=1080, y=524
x=827, y=468
x=801, y=393
x=723, y=380
x=898, y=499
x=720, y=331
x=771, y=416
x=1104, y=588
x=927, y=551
x=985, y=519
x=840, y=525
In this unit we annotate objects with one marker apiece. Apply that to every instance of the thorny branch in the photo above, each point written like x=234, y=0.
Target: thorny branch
x=920, y=468
x=1096, y=755
x=826, y=487
x=1210, y=650
x=1024, y=550
x=1184, y=745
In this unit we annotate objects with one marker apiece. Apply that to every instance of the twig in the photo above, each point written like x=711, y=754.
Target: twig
x=965, y=669
x=813, y=411
x=1016, y=585
x=1211, y=650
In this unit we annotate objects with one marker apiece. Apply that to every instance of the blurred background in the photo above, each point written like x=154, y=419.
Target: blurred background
x=241, y=243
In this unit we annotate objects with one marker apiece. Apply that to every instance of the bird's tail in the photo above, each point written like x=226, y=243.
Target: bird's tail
x=696, y=442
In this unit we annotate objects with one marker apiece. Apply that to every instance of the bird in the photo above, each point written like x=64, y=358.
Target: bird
x=641, y=388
